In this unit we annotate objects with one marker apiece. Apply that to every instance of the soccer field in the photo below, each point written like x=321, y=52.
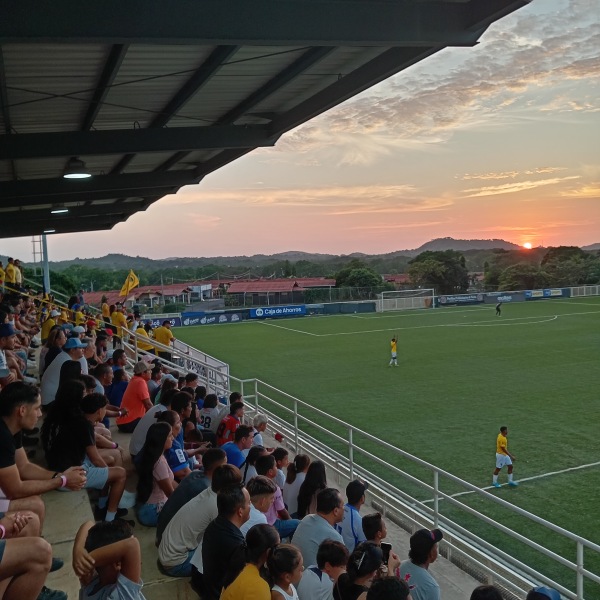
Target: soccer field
x=463, y=373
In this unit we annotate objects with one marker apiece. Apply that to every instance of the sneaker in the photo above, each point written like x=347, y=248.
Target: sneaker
x=496, y=485
x=513, y=483
x=48, y=594
x=128, y=499
x=100, y=513
x=57, y=563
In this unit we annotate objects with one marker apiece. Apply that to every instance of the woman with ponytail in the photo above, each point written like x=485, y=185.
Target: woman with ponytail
x=244, y=580
x=296, y=474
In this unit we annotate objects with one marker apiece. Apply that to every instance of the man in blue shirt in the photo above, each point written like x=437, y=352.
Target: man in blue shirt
x=242, y=441
x=351, y=526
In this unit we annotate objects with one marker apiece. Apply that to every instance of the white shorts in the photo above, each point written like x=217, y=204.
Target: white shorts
x=502, y=460
x=394, y=356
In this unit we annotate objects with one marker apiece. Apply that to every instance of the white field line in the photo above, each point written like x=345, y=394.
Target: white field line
x=288, y=328
x=491, y=487
x=526, y=321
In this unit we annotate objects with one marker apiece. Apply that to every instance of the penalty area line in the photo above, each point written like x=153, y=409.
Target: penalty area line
x=532, y=478
x=288, y=329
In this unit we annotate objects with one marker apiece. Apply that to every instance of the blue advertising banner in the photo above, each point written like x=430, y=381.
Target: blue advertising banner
x=495, y=297
x=270, y=312
x=175, y=321
x=189, y=319
x=460, y=299
x=548, y=293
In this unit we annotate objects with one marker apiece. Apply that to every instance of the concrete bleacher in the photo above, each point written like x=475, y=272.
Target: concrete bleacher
x=67, y=510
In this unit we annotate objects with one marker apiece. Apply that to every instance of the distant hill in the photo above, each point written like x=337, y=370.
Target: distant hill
x=449, y=243
x=121, y=261
x=591, y=247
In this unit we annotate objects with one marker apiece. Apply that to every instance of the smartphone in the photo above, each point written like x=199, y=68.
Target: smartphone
x=386, y=549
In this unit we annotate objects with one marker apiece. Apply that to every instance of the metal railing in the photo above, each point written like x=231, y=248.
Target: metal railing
x=434, y=498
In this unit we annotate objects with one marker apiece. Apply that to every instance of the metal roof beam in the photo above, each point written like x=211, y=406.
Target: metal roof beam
x=104, y=142
x=4, y=108
x=111, y=67
x=75, y=212
x=111, y=186
x=74, y=226
x=260, y=22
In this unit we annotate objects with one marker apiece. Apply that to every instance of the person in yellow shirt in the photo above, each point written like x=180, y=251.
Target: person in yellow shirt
x=1, y=275
x=143, y=342
x=394, y=350
x=10, y=273
x=48, y=324
x=118, y=319
x=503, y=458
x=79, y=317
x=105, y=310
x=163, y=335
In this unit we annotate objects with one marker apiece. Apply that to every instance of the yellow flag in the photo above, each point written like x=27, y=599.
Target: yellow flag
x=131, y=282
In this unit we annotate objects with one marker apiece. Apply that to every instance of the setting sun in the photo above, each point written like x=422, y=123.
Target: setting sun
x=527, y=245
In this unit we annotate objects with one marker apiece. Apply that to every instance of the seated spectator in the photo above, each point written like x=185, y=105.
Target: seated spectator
x=223, y=538
x=486, y=592
x=48, y=325
x=314, y=529
x=178, y=455
x=141, y=429
x=296, y=474
x=115, y=391
x=155, y=380
x=423, y=552
x=107, y=559
x=54, y=346
x=277, y=515
x=248, y=468
x=136, y=398
x=543, y=593
x=242, y=440
x=9, y=373
x=363, y=566
x=314, y=482
x=199, y=395
x=282, y=460
x=285, y=567
x=72, y=350
x=119, y=361
x=68, y=433
x=374, y=528
x=211, y=414
x=184, y=533
x=156, y=482
x=351, y=526
x=318, y=580
x=262, y=494
x=259, y=423
x=168, y=383
x=244, y=581
x=392, y=588
x=192, y=485
x=230, y=423
x=21, y=481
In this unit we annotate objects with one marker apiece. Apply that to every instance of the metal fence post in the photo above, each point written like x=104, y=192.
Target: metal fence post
x=579, y=571
x=351, y=454
x=436, y=498
x=256, y=393
x=296, y=446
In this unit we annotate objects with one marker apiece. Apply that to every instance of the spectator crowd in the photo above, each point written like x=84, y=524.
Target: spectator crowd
x=242, y=520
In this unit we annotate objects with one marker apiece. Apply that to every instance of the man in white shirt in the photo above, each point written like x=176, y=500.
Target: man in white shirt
x=72, y=350
x=262, y=493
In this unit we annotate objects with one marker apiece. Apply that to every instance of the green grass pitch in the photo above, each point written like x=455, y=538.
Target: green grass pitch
x=463, y=373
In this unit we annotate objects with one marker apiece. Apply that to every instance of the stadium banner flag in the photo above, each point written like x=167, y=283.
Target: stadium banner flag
x=548, y=293
x=201, y=318
x=175, y=321
x=460, y=299
x=131, y=282
x=495, y=297
x=272, y=312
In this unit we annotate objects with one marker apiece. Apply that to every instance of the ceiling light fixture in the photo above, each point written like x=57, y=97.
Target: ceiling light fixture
x=59, y=211
x=49, y=230
x=76, y=169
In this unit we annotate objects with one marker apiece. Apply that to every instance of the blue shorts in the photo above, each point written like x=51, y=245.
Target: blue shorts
x=96, y=476
x=147, y=514
x=182, y=570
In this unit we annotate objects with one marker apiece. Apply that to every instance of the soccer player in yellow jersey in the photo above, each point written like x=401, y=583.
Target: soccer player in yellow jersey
x=394, y=349
x=503, y=458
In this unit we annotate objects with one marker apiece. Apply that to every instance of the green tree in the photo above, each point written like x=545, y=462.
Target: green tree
x=523, y=276
x=445, y=270
x=363, y=278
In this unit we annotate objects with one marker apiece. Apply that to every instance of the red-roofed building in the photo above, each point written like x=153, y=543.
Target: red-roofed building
x=400, y=281
x=265, y=292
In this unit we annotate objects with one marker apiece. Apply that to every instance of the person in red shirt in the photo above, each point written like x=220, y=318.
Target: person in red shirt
x=136, y=398
x=230, y=423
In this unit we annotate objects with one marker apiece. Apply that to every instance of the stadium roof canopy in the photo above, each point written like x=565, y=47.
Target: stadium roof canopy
x=155, y=95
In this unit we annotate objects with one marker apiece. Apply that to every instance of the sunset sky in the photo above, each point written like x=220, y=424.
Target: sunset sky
x=497, y=141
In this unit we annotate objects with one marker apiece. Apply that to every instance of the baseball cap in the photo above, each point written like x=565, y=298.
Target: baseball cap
x=73, y=342
x=552, y=594
x=140, y=367
x=79, y=329
x=55, y=313
x=355, y=490
x=108, y=332
x=148, y=359
x=6, y=330
x=423, y=540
